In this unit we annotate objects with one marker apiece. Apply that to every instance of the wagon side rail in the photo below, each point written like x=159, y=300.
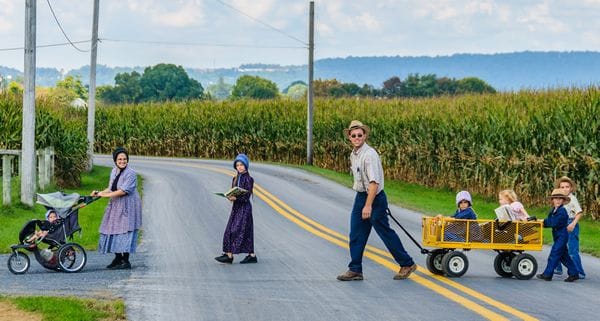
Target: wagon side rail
x=450, y=233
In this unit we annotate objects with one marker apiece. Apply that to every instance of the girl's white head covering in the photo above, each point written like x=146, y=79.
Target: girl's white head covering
x=463, y=196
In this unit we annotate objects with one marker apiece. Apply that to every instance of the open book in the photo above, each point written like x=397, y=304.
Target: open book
x=504, y=213
x=235, y=191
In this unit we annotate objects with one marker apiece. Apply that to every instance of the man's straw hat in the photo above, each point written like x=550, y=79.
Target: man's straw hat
x=356, y=124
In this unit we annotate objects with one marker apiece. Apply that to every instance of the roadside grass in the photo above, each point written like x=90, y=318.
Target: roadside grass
x=70, y=308
x=14, y=217
x=430, y=201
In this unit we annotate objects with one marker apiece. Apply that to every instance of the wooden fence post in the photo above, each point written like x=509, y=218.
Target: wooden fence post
x=49, y=162
x=6, y=173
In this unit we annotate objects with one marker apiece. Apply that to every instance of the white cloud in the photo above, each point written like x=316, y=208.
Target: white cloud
x=178, y=14
x=369, y=22
x=8, y=9
x=539, y=18
x=253, y=8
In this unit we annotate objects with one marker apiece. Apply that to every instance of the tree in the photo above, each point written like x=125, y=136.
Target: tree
x=220, y=90
x=15, y=88
x=73, y=86
x=67, y=90
x=297, y=91
x=392, y=87
x=169, y=82
x=127, y=89
x=254, y=87
x=159, y=83
x=324, y=87
x=474, y=85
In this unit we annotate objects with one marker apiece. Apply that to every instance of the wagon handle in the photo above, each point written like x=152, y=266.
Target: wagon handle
x=423, y=251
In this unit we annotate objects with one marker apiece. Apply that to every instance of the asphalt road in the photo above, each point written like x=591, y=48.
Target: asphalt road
x=300, y=222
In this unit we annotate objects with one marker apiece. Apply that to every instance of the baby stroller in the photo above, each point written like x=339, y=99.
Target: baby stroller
x=60, y=255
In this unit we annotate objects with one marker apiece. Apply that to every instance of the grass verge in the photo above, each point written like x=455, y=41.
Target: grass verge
x=69, y=308
x=430, y=201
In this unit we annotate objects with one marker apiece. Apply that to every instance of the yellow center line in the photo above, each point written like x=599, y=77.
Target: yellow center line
x=375, y=254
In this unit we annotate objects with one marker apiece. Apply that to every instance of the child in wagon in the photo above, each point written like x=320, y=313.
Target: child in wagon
x=456, y=231
x=509, y=198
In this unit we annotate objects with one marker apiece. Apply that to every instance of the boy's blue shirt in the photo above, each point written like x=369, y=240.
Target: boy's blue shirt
x=466, y=214
x=557, y=220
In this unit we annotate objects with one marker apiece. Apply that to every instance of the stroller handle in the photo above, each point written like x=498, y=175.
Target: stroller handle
x=85, y=200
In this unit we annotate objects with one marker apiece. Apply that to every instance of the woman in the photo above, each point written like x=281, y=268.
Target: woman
x=123, y=215
x=239, y=233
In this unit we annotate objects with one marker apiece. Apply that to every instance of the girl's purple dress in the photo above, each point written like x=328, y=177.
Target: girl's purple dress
x=239, y=233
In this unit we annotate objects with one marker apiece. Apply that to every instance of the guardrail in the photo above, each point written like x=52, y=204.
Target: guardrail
x=45, y=169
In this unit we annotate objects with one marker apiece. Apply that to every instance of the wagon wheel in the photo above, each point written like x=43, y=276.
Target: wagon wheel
x=434, y=261
x=455, y=264
x=502, y=264
x=71, y=257
x=523, y=266
x=18, y=262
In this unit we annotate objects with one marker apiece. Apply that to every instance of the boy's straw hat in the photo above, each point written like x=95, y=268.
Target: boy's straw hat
x=558, y=193
x=356, y=124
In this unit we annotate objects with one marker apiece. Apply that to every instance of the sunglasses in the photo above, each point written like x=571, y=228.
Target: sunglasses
x=356, y=135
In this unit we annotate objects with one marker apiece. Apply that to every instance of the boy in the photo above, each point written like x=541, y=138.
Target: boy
x=575, y=213
x=558, y=220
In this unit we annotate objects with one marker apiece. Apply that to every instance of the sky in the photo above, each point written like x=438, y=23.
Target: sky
x=220, y=33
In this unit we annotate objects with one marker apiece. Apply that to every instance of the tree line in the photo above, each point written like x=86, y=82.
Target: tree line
x=168, y=82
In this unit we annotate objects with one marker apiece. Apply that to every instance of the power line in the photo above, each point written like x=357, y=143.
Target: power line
x=199, y=44
x=62, y=30
x=261, y=22
x=46, y=46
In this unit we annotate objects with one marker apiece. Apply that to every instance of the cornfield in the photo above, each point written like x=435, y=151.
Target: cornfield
x=483, y=143
x=68, y=137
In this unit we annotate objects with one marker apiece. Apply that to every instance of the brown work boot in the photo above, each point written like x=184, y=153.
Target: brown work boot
x=350, y=276
x=405, y=272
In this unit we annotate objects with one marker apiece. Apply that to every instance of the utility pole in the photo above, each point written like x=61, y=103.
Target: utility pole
x=92, y=91
x=28, y=157
x=309, y=92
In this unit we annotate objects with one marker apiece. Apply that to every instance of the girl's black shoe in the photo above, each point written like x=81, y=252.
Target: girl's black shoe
x=224, y=259
x=249, y=259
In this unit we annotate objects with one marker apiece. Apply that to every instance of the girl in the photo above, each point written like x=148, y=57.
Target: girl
x=457, y=231
x=239, y=233
x=509, y=197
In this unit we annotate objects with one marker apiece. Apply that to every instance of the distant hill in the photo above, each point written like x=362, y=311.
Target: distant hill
x=505, y=71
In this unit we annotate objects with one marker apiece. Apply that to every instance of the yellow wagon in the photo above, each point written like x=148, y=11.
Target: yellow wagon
x=510, y=239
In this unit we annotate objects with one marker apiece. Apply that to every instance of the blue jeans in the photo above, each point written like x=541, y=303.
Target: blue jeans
x=360, y=230
x=560, y=254
x=573, y=245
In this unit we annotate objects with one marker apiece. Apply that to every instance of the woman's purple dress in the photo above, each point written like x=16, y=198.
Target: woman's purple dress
x=239, y=233
x=122, y=217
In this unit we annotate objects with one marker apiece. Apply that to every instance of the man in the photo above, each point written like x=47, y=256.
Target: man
x=369, y=209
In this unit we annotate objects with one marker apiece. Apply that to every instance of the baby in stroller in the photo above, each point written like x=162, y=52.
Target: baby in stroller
x=49, y=226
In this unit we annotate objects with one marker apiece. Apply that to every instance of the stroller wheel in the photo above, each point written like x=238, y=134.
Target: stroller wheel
x=18, y=263
x=71, y=257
